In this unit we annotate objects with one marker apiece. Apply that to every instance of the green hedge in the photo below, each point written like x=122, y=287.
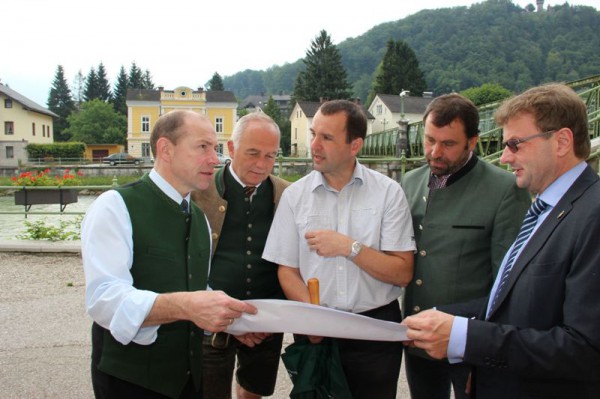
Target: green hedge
x=56, y=150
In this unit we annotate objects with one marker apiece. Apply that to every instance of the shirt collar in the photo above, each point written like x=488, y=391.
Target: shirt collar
x=236, y=177
x=318, y=179
x=557, y=189
x=166, y=187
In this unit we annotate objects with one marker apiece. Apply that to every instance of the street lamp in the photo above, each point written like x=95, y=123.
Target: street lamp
x=402, y=148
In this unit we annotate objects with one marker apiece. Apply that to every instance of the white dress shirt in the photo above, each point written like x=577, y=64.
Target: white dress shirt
x=107, y=253
x=371, y=209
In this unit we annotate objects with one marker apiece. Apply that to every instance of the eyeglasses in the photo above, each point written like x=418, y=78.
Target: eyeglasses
x=513, y=144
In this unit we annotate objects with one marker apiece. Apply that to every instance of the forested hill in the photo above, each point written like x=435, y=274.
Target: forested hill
x=494, y=41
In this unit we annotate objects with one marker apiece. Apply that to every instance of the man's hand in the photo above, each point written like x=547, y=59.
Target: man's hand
x=210, y=310
x=430, y=330
x=328, y=243
x=252, y=339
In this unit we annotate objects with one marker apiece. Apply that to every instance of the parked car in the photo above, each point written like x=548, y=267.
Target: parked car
x=223, y=159
x=120, y=158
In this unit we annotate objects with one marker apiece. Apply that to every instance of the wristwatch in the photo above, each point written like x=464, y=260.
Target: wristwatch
x=355, y=250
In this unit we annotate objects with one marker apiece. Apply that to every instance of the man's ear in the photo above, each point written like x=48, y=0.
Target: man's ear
x=164, y=149
x=231, y=148
x=472, y=142
x=356, y=145
x=564, y=139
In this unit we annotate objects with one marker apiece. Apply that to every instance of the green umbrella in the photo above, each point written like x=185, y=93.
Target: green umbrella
x=315, y=370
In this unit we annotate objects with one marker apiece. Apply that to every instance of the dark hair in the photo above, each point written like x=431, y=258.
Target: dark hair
x=168, y=126
x=553, y=106
x=449, y=107
x=356, y=119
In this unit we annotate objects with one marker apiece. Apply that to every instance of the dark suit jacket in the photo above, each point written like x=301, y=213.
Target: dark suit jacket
x=543, y=341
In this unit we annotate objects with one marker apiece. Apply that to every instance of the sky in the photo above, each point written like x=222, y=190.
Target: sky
x=183, y=42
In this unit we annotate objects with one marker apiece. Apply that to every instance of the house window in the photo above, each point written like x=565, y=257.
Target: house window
x=145, y=124
x=10, y=152
x=7, y=103
x=145, y=149
x=295, y=133
x=48, y=131
x=9, y=128
x=33, y=128
x=43, y=130
x=219, y=124
x=379, y=109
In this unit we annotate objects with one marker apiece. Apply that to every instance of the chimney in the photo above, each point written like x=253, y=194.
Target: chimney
x=323, y=99
x=161, y=88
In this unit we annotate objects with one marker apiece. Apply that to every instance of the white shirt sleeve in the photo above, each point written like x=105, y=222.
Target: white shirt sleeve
x=107, y=253
x=283, y=242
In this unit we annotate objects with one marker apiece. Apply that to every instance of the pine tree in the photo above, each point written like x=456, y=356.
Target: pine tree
x=61, y=103
x=91, y=90
x=215, y=83
x=77, y=88
x=104, y=93
x=135, y=79
x=147, y=81
x=324, y=75
x=399, y=70
x=119, y=99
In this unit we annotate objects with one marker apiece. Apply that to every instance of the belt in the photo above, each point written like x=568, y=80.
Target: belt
x=220, y=340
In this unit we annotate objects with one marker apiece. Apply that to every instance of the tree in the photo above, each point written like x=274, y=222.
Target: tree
x=97, y=123
x=486, y=93
x=61, y=103
x=215, y=83
x=135, y=79
x=119, y=99
x=272, y=109
x=324, y=75
x=77, y=88
x=147, y=81
x=104, y=93
x=92, y=89
x=399, y=70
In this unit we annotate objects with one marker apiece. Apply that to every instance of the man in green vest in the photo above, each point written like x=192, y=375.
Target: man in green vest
x=466, y=214
x=146, y=254
x=239, y=204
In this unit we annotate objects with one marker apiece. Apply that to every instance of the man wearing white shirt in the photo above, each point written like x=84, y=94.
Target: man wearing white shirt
x=146, y=255
x=350, y=227
x=538, y=332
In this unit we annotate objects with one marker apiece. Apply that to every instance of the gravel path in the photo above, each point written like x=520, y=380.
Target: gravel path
x=45, y=332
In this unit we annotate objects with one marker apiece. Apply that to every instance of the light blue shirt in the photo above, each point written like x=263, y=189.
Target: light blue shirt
x=371, y=209
x=107, y=253
x=551, y=195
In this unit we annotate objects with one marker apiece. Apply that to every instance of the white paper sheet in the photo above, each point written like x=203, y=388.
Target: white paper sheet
x=303, y=318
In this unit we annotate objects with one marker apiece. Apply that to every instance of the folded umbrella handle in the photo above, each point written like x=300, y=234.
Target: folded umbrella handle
x=313, y=291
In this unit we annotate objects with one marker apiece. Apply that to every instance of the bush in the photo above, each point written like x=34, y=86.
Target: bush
x=39, y=230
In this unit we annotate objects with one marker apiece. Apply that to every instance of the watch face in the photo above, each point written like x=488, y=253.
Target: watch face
x=356, y=247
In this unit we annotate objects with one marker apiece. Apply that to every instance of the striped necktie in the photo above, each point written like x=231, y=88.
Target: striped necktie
x=185, y=206
x=249, y=190
x=531, y=218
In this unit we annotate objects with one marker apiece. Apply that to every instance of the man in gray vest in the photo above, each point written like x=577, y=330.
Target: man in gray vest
x=146, y=255
x=239, y=204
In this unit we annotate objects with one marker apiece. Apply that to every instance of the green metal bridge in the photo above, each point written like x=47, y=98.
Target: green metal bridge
x=386, y=144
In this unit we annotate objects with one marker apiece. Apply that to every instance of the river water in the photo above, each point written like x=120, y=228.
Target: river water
x=13, y=225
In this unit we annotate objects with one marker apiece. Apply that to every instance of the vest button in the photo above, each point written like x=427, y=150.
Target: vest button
x=221, y=208
x=248, y=293
x=417, y=309
x=249, y=225
x=248, y=280
x=420, y=227
x=248, y=252
x=188, y=372
x=249, y=239
x=422, y=252
x=419, y=282
x=248, y=266
x=190, y=276
x=215, y=236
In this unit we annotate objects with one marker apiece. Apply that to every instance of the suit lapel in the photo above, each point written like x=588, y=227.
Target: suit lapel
x=537, y=242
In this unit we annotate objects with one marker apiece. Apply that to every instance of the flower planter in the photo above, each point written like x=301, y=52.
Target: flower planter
x=36, y=196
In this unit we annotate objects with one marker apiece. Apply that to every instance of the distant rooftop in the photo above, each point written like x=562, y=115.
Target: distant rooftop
x=24, y=101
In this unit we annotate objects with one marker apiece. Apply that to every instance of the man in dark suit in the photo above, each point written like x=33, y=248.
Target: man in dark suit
x=537, y=335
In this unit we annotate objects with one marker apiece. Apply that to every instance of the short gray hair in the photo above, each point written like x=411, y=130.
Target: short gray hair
x=241, y=124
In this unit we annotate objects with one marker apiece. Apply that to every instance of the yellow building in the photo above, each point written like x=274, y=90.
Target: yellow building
x=144, y=107
x=22, y=122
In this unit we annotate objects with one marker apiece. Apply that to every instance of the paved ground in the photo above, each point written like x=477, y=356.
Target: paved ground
x=45, y=332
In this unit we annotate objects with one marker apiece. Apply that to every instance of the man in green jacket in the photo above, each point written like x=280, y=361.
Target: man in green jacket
x=466, y=214
x=239, y=204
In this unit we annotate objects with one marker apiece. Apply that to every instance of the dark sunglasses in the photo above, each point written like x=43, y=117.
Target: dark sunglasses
x=513, y=144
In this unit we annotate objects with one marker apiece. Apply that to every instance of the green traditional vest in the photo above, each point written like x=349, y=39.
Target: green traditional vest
x=162, y=262
x=237, y=265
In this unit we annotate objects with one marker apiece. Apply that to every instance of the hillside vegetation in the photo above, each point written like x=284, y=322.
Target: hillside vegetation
x=494, y=41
